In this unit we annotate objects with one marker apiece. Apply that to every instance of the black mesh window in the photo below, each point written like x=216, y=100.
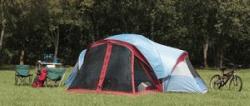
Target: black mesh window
x=118, y=77
x=88, y=76
x=195, y=74
x=191, y=68
x=140, y=74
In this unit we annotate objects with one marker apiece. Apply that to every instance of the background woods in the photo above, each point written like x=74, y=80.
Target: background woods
x=213, y=32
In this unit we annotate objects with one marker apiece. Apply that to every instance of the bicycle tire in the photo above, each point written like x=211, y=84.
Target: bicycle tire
x=236, y=81
x=215, y=82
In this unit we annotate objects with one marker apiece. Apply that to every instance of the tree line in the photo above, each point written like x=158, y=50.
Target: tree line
x=214, y=32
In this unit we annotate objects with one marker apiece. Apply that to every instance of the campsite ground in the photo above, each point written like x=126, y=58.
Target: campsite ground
x=11, y=95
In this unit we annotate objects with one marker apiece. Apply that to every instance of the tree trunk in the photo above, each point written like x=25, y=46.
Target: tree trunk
x=2, y=34
x=205, y=51
x=22, y=57
x=221, y=57
x=152, y=28
x=57, y=38
x=93, y=27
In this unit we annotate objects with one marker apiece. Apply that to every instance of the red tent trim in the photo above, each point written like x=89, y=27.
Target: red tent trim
x=180, y=59
x=86, y=91
x=132, y=60
x=104, y=67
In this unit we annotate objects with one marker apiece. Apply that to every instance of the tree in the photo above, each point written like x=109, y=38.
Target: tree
x=4, y=8
x=229, y=26
x=28, y=27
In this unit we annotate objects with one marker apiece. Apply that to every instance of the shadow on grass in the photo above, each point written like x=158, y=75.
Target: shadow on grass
x=4, y=67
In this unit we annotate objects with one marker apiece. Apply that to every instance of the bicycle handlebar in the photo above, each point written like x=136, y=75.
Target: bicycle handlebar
x=234, y=65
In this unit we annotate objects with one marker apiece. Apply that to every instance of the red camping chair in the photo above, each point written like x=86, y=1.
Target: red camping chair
x=40, y=79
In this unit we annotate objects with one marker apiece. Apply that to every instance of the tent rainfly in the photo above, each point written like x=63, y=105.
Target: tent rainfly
x=131, y=63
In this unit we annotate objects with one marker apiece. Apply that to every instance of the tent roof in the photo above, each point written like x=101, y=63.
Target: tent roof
x=161, y=58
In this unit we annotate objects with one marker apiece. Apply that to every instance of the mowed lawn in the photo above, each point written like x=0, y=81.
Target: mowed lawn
x=11, y=95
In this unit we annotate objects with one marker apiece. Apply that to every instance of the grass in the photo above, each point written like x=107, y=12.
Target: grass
x=11, y=95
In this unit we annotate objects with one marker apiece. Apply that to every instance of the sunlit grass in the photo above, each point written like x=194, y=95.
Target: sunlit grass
x=11, y=95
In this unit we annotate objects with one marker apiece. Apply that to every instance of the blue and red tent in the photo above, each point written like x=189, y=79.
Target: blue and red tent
x=123, y=63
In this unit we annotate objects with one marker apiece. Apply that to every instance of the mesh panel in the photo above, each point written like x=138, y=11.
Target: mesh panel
x=140, y=74
x=191, y=68
x=199, y=81
x=88, y=76
x=118, y=77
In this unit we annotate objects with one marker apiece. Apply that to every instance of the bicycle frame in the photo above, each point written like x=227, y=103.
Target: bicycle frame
x=230, y=76
x=225, y=78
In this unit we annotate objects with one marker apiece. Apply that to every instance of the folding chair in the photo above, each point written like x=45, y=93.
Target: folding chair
x=22, y=75
x=55, y=75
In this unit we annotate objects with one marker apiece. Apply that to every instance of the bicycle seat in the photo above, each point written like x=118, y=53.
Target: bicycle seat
x=223, y=68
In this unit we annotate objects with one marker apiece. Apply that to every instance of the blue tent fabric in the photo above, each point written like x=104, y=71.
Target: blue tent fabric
x=201, y=84
x=81, y=58
x=162, y=59
x=72, y=75
x=177, y=83
x=76, y=68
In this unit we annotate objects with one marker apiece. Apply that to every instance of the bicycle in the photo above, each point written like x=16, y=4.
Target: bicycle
x=235, y=82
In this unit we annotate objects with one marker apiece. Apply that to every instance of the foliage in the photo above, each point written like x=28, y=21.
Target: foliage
x=39, y=27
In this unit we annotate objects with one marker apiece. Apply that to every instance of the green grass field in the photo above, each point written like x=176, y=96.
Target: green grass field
x=11, y=95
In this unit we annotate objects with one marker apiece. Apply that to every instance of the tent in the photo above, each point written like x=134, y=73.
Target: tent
x=129, y=63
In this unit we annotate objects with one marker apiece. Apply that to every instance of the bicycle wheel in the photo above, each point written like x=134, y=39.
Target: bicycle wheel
x=215, y=82
x=236, y=83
